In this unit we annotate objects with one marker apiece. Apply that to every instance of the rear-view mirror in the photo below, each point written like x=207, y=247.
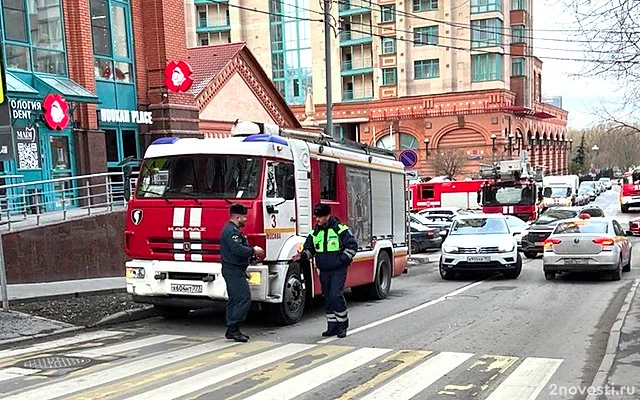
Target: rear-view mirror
x=628, y=233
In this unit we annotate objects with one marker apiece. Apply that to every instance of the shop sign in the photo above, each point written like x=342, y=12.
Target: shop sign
x=25, y=109
x=177, y=76
x=56, y=112
x=126, y=116
x=27, y=145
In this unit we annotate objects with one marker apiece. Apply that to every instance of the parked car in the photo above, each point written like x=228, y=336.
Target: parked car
x=591, y=187
x=584, y=196
x=453, y=211
x=480, y=242
x=585, y=245
x=423, y=238
x=540, y=229
x=437, y=221
x=607, y=183
x=634, y=225
x=516, y=226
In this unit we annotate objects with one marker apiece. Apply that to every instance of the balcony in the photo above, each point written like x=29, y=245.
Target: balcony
x=357, y=66
x=213, y=25
x=351, y=38
x=203, y=2
x=354, y=7
x=357, y=94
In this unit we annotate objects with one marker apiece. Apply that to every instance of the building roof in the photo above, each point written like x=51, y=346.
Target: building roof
x=213, y=66
x=209, y=61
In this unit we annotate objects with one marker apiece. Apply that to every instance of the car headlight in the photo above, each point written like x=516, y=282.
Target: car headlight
x=135, y=273
x=449, y=249
x=506, y=247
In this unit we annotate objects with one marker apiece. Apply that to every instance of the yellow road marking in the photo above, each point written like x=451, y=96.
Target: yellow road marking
x=130, y=385
x=488, y=368
x=294, y=365
x=404, y=358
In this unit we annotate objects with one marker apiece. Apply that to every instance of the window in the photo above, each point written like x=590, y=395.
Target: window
x=517, y=4
x=405, y=142
x=202, y=19
x=204, y=42
x=482, y=6
x=388, y=45
x=427, y=192
x=426, y=69
x=486, y=33
x=389, y=76
x=204, y=176
x=517, y=34
x=425, y=5
x=486, y=67
x=280, y=180
x=517, y=66
x=425, y=35
x=111, y=40
x=34, y=36
x=328, y=180
x=388, y=13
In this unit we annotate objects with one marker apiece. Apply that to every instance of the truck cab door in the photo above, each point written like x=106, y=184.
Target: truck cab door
x=279, y=206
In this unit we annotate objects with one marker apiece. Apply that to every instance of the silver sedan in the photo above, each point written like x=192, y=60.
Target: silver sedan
x=587, y=244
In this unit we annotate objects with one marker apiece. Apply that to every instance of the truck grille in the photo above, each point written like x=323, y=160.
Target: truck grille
x=538, y=237
x=170, y=246
x=477, y=250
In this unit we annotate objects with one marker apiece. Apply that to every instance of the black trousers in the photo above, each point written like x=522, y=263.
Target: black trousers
x=335, y=306
x=239, y=296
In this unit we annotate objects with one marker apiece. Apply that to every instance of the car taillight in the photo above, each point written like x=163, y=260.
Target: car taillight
x=430, y=234
x=551, y=242
x=603, y=241
x=626, y=190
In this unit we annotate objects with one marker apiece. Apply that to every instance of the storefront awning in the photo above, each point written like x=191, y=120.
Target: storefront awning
x=15, y=87
x=69, y=89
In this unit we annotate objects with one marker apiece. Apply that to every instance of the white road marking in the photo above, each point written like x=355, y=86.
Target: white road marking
x=407, y=312
x=527, y=381
x=83, y=337
x=15, y=372
x=125, y=347
x=409, y=384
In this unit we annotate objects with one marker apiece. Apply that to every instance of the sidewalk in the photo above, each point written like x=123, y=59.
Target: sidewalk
x=623, y=380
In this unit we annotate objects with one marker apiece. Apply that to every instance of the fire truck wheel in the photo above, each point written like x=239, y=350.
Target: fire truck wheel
x=380, y=287
x=530, y=254
x=290, y=311
x=169, y=312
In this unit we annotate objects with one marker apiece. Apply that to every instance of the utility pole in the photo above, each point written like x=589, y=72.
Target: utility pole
x=327, y=62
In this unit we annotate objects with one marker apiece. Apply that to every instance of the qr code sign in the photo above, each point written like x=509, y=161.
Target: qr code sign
x=28, y=156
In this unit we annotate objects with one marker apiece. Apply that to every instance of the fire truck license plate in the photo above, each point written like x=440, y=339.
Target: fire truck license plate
x=186, y=288
x=478, y=259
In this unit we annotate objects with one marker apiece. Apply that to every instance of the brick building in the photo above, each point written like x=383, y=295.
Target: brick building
x=106, y=60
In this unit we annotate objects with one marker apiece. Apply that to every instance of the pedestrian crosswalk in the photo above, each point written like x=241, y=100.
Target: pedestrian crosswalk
x=130, y=365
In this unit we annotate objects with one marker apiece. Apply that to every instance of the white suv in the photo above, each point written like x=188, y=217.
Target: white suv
x=480, y=242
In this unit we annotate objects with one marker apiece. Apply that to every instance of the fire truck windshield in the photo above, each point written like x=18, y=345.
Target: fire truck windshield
x=205, y=176
x=508, y=195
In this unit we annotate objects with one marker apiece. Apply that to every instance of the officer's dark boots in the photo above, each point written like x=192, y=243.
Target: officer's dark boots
x=331, y=329
x=342, y=334
x=233, y=333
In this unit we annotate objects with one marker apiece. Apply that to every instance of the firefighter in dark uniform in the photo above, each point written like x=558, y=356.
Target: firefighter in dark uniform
x=236, y=255
x=333, y=246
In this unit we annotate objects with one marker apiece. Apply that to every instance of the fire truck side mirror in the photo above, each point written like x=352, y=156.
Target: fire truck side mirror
x=479, y=197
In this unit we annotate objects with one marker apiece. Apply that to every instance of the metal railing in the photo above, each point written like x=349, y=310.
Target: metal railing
x=35, y=203
x=358, y=63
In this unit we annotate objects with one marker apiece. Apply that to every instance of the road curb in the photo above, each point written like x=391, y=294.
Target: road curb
x=600, y=380
x=127, y=316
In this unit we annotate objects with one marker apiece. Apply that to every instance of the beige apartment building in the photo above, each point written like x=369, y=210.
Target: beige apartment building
x=412, y=67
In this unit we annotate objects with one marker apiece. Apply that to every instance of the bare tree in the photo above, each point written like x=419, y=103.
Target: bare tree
x=447, y=161
x=619, y=145
x=609, y=30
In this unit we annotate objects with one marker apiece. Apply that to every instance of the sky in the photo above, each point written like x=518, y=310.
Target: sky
x=583, y=97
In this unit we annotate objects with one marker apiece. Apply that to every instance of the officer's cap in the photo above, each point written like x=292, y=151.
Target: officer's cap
x=238, y=209
x=321, y=210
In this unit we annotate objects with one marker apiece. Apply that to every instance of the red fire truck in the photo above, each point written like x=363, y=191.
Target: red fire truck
x=181, y=203
x=461, y=194
x=513, y=189
x=630, y=191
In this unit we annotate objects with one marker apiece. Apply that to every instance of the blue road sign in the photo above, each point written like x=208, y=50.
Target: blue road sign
x=409, y=158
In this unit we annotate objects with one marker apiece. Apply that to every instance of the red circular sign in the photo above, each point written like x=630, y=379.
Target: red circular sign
x=56, y=111
x=177, y=76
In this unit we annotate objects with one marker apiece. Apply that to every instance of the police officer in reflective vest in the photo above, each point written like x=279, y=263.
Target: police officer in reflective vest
x=236, y=255
x=333, y=246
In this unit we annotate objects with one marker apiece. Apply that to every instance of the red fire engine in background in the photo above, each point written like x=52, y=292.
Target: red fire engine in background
x=462, y=194
x=181, y=203
x=630, y=191
x=513, y=188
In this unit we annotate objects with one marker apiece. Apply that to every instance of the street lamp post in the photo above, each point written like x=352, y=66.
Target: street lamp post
x=510, y=144
x=570, y=145
x=493, y=142
x=426, y=148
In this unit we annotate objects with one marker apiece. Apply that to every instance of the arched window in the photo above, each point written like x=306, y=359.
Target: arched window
x=404, y=142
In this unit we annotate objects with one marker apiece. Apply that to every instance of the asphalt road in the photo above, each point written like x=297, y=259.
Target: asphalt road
x=478, y=337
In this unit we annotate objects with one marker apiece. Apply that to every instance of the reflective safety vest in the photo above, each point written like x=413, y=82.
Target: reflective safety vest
x=333, y=239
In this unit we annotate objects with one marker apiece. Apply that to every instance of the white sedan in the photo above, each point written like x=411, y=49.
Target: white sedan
x=480, y=242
